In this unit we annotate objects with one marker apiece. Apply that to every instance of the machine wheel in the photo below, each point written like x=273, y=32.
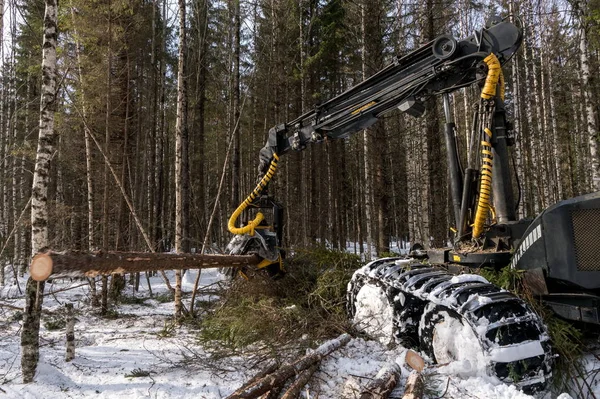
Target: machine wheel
x=446, y=338
x=374, y=312
x=452, y=318
x=380, y=309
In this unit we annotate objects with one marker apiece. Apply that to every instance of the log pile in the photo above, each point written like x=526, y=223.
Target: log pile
x=302, y=369
x=80, y=264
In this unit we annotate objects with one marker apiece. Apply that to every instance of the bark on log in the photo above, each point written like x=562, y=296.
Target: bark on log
x=273, y=393
x=271, y=366
x=77, y=264
x=415, y=386
x=70, y=332
x=383, y=384
x=294, y=390
x=287, y=371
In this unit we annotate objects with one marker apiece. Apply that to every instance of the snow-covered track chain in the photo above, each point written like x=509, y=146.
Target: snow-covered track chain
x=513, y=340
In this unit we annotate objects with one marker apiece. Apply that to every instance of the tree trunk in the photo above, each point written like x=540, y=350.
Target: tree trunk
x=517, y=130
x=368, y=196
x=235, y=105
x=39, y=204
x=88, y=161
x=181, y=158
x=199, y=117
x=2, y=154
x=591, y=127
x=107, y=128
x=70, y=332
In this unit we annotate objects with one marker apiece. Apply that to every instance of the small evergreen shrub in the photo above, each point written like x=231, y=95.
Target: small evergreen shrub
x=308, y=302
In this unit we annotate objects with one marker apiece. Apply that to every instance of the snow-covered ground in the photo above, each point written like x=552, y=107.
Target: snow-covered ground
x=141, y=354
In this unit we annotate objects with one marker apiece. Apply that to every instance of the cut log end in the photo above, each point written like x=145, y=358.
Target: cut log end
x=41, y=267
x=415, y=361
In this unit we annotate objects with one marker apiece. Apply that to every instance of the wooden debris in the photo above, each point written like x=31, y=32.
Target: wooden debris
x=295, y=389
x=415, y=386
x=415, y=361
x=383, y=384
x=285, y=372
x=80, y=264
x=273, y=393
x=271, y=366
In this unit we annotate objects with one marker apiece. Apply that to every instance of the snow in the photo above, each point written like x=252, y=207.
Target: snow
x=374, y=314
x=453, y=340
x=512, y=353
x=142, y=354
x=463, y=278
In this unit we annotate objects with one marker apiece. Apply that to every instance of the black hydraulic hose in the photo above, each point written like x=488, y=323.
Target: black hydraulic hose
x=518, y=181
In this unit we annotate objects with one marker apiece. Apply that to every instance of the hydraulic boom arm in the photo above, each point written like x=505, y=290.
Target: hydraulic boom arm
x=439, y=67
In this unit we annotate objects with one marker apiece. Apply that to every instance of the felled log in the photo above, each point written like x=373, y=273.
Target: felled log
x=273, y=393
x=294, y=390
x=287, y=371
x=415, y=386
x=81, y=264
x=384, y=383
x=415, y=361
x=271, y=366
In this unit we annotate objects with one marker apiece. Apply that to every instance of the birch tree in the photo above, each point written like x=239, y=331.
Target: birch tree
x=39, y=205
x=590, y=112
x=1, y=118
x=181, y=157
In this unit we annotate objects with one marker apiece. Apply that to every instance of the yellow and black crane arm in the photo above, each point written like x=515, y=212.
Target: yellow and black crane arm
x=438, y=67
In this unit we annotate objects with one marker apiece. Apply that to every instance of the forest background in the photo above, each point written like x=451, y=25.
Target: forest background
x=245, y=66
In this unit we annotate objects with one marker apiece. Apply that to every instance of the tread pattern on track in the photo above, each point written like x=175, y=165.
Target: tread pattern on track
x=500, y=320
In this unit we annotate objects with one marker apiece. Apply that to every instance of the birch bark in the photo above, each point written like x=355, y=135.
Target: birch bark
x=3, y=227
x=591, y=127
x=368, y=199
x=181, y=155
x=39, y=205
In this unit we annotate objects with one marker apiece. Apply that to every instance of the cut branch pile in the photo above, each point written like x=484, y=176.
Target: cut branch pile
x=303, y=368
x=77, y=264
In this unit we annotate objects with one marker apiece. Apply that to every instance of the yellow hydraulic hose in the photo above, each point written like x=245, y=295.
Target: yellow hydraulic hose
x=485, y=186
x=501, y=83
x=255, y=193
x=493, y=75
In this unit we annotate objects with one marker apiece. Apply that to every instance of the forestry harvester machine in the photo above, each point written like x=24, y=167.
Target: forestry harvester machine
x=428, y=300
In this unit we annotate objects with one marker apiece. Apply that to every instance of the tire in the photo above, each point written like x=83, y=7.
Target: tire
x=381, y=310
x=446, y=338
x=506, y=339
x=441, y=313
x=374, y=312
